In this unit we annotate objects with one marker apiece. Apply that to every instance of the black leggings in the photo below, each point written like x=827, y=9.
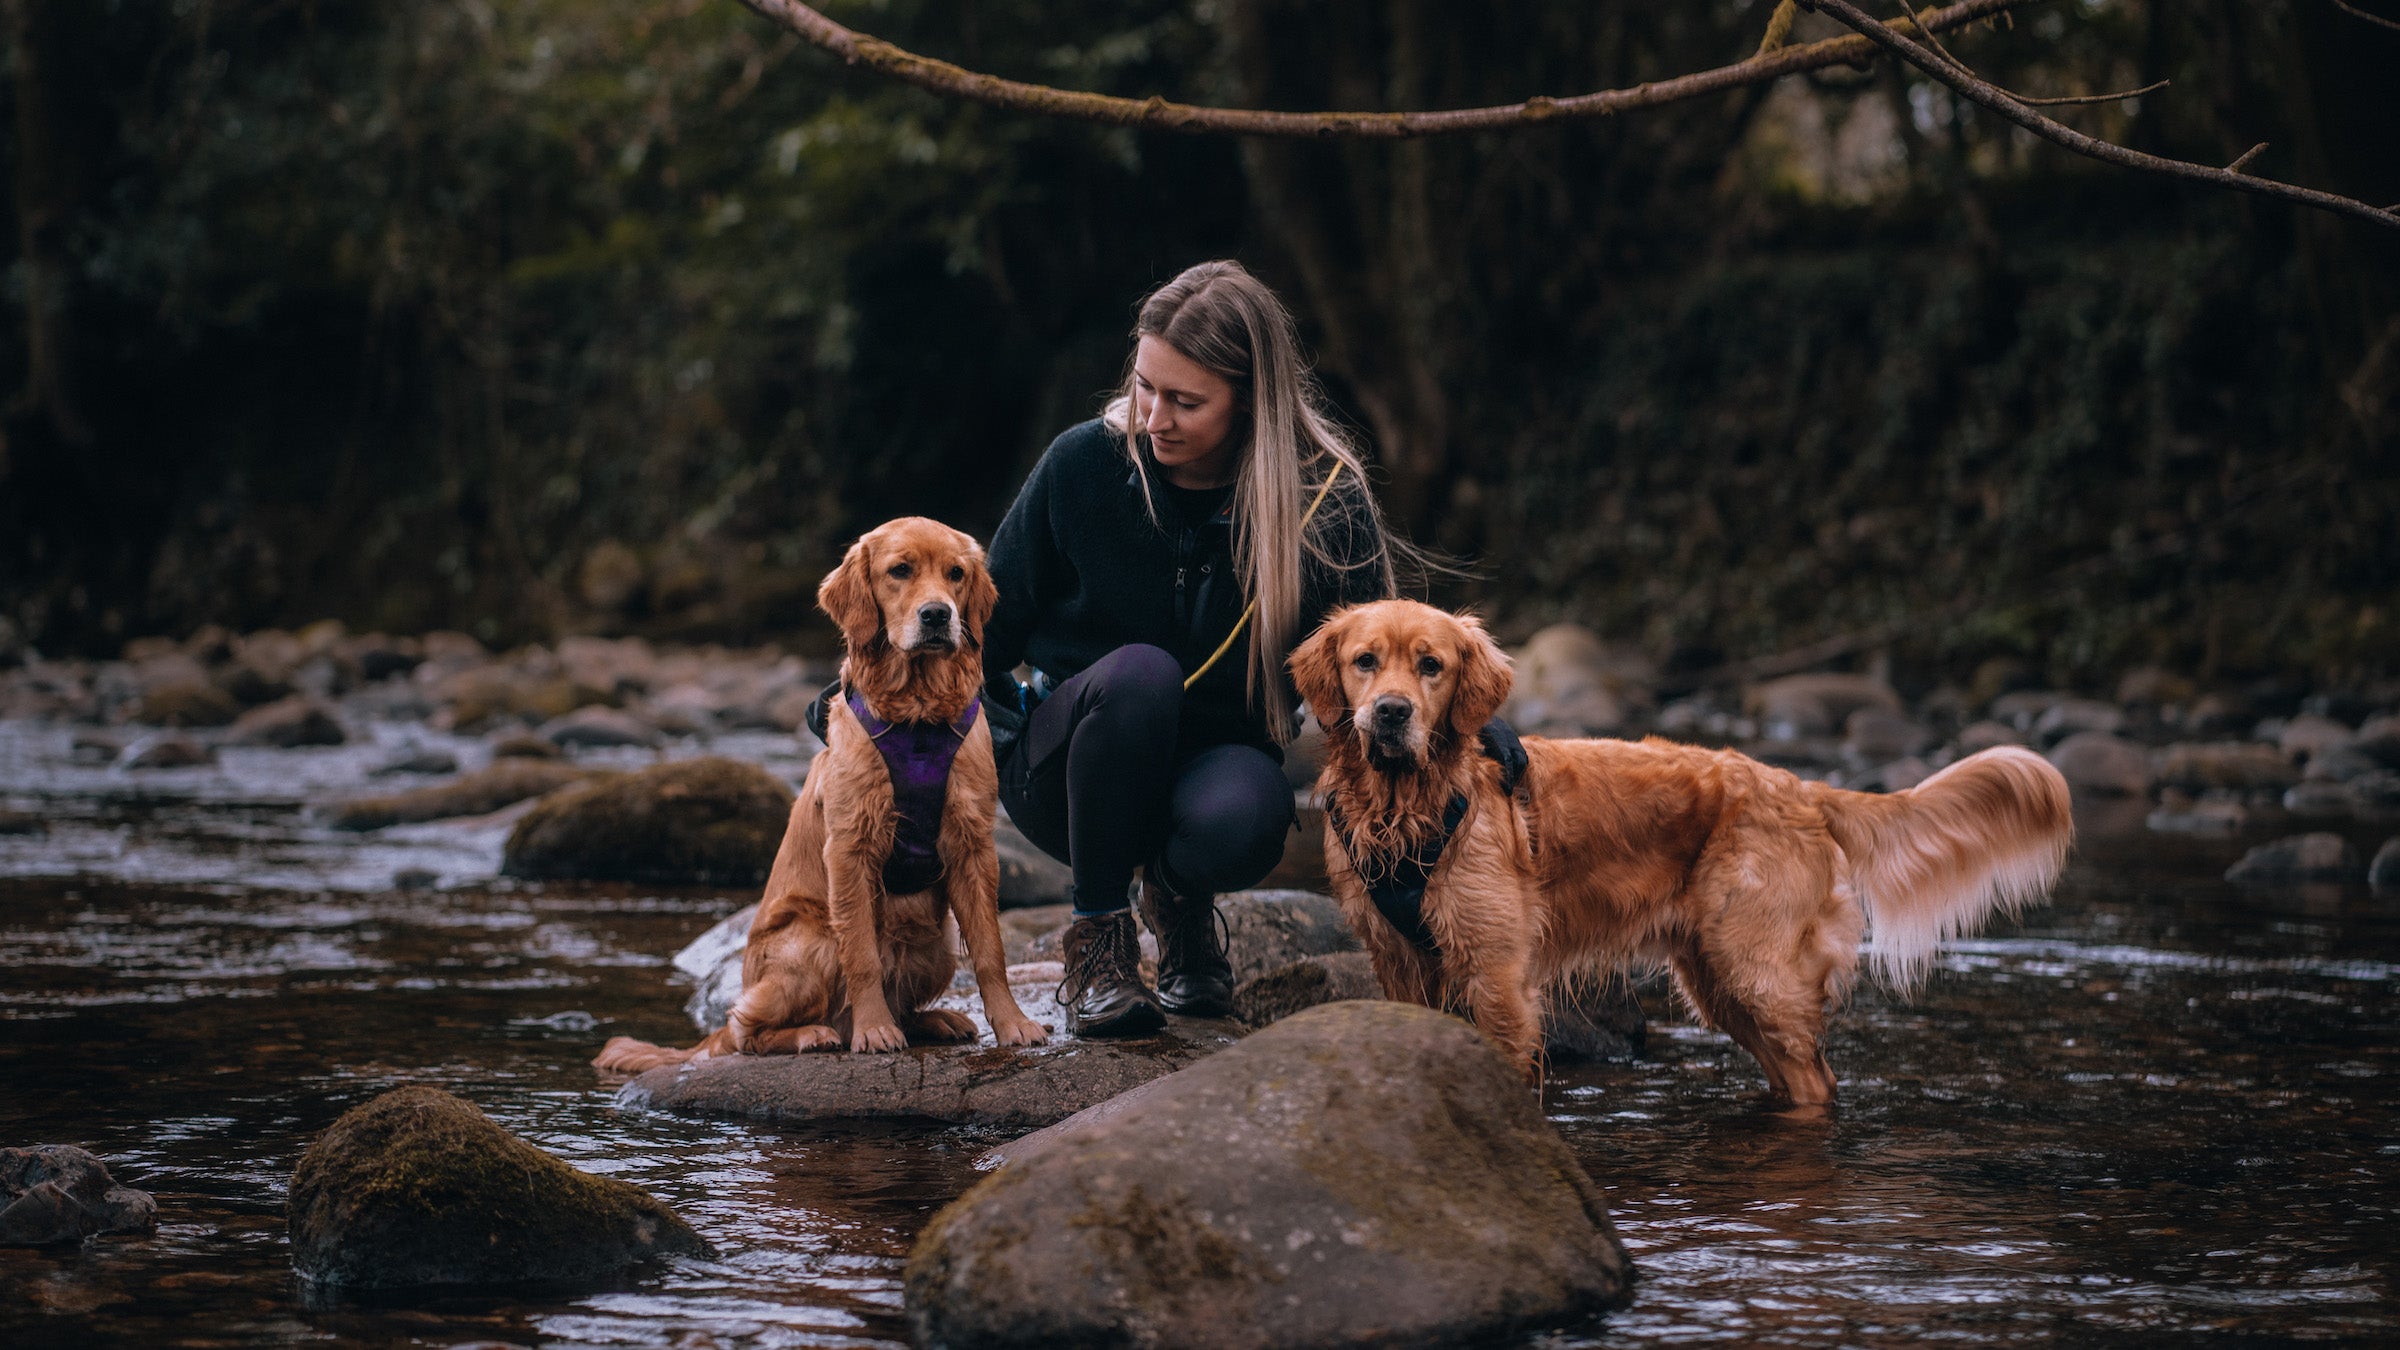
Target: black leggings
x=1098, y=782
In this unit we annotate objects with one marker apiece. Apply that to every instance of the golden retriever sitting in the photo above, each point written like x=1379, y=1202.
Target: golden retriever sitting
x=1752, y=885
x=891, y=837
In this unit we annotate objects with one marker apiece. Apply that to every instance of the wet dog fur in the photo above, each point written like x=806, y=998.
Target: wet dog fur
x=1750, y=884
x=831, y=960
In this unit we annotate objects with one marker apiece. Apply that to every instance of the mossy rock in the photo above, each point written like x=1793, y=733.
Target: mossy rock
x=709, y=821
x=418, y=1188
x=1362, y=1173
x=506, y=782
x=187, y=703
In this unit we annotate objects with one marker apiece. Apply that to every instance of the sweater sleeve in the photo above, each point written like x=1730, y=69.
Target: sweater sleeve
x=1025, y=564
x=1355, y=574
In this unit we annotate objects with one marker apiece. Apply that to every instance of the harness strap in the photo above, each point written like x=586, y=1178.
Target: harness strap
x=918, y=757
x=1397, y=884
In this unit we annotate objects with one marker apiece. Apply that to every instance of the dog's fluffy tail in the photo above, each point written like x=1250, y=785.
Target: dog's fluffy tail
x=1986, y=834
x=624, y=1054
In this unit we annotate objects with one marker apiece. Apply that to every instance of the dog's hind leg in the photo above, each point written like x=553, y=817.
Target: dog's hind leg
x=1759, y=971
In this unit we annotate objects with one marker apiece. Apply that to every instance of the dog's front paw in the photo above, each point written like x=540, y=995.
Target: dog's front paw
x=882, y=1038
x=1020, y=1031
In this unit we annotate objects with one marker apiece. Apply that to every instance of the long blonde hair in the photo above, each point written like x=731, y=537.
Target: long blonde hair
x=1220, y=316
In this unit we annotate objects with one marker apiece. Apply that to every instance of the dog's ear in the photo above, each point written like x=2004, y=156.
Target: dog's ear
x=1485, y=678
x=1316, y=667
x=848, y=597
x=977, y=597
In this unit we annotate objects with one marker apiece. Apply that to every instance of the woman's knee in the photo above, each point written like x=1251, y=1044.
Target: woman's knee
x=1138, y=671
x=1231, y=817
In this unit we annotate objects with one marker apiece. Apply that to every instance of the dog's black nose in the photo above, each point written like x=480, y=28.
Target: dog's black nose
x=1392, y=713
x=933, y=616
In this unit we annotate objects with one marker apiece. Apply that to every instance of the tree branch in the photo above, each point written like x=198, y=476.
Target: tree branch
x=2356, y=13
x=1983, y=93
x=1158, y=114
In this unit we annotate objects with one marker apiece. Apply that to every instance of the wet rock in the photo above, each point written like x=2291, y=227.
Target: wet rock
x=2242, y=765
x=377, y=656
x=2219, y=714
x=710, y=821
x=14, y=651
x=1570, y=683
x=2300, y=857
x=504, y=783
x=2316, y=797
x=979, y=1084
x=713, y=961
x=167, y=752
x=2151, y=687
x=2211, y=816
x=1360, y=1173
x=1028, y=876
x=20, y=822
x=2309, y=734
x=2096, y=762
x=2384, y=873
x=2024, y=707
x=1266, y=999
x=1879, y=735
x=2377, y=792
x=2380, y=737
x=599, y=726
x=58, y=1193
x=418, y=760
x=2340, y=764
x=1978, y=736
x=286, y=725
x=1595, y=1021
x=94, y=748
x=1268, y=930
x=186, y=703
x=248, y=685
x=418, y=1187
x=620, y=666
x=1898, y=776
x=1798, y=706
x=416, y=879
x=2069, y=716
x=518, y=743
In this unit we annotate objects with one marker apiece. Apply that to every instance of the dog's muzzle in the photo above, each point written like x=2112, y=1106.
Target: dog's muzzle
x=1392, y=732
x=933, y=628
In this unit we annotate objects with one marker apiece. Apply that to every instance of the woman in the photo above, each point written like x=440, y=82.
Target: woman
x=1213, y=505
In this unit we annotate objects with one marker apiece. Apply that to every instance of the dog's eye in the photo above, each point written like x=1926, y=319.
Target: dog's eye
x=1365, y=663
x=1428, y=667
x=958, y=574
x=902, y=571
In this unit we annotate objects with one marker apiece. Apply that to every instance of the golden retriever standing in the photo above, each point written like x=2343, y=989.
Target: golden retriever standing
x=833, y=956
x=1751, y=884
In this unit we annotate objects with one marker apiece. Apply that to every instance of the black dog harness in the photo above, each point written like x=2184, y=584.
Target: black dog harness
x=1397, y=884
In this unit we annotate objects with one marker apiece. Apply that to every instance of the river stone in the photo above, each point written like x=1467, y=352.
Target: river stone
x=1814, y=705
x=2208, y=816
x=2384, y=872
x=2321, y=856
x=1268, y=930
x=2069, y=716
x=2310, y=734
x=286, y=724
x=1028, y=876
x=1980, y=736
x=1266, y=999
x=506, y=782
x=599, y=726
x=59, y=1193
x=1358, y=1174
x=2380, y=736
x=186, y=703
x=710, y=821
x=978, y=1084
x=2196, y=766
x=20, y=822
x=2094, y=761
x=1568, y=683
x=167, y=751
x=418, y=1187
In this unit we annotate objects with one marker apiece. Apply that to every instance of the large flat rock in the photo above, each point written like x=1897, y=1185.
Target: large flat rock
x=979, y=1084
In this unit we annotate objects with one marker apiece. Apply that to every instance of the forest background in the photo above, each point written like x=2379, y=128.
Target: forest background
x=528, y=317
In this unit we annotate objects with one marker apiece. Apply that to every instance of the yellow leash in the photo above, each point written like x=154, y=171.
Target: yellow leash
x=1252, y=608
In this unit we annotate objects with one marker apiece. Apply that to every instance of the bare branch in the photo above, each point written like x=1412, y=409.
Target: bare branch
x=941, y=77
x=1779, y=26
x=2356, y=13
x=2091, y=98
x=1999, y=101
x=2246, y=156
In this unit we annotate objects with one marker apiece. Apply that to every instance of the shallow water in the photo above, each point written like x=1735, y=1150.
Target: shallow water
x=2160, y=1110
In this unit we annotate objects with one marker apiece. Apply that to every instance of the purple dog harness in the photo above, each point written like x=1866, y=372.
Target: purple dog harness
x=918, y=757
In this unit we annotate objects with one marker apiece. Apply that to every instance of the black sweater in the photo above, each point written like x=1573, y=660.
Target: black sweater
x=1082, y=571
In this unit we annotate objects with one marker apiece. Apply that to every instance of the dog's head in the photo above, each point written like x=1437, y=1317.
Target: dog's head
x=1406, y=682
x=913, y=585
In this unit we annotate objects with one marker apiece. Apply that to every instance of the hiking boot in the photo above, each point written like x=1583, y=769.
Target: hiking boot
x=1194, y=977
x=1103, y=993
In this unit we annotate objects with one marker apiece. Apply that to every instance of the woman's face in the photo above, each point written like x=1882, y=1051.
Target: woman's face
x=1189, y=411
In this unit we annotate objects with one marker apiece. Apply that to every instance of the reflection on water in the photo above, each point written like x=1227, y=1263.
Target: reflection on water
x=2160, y=1110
